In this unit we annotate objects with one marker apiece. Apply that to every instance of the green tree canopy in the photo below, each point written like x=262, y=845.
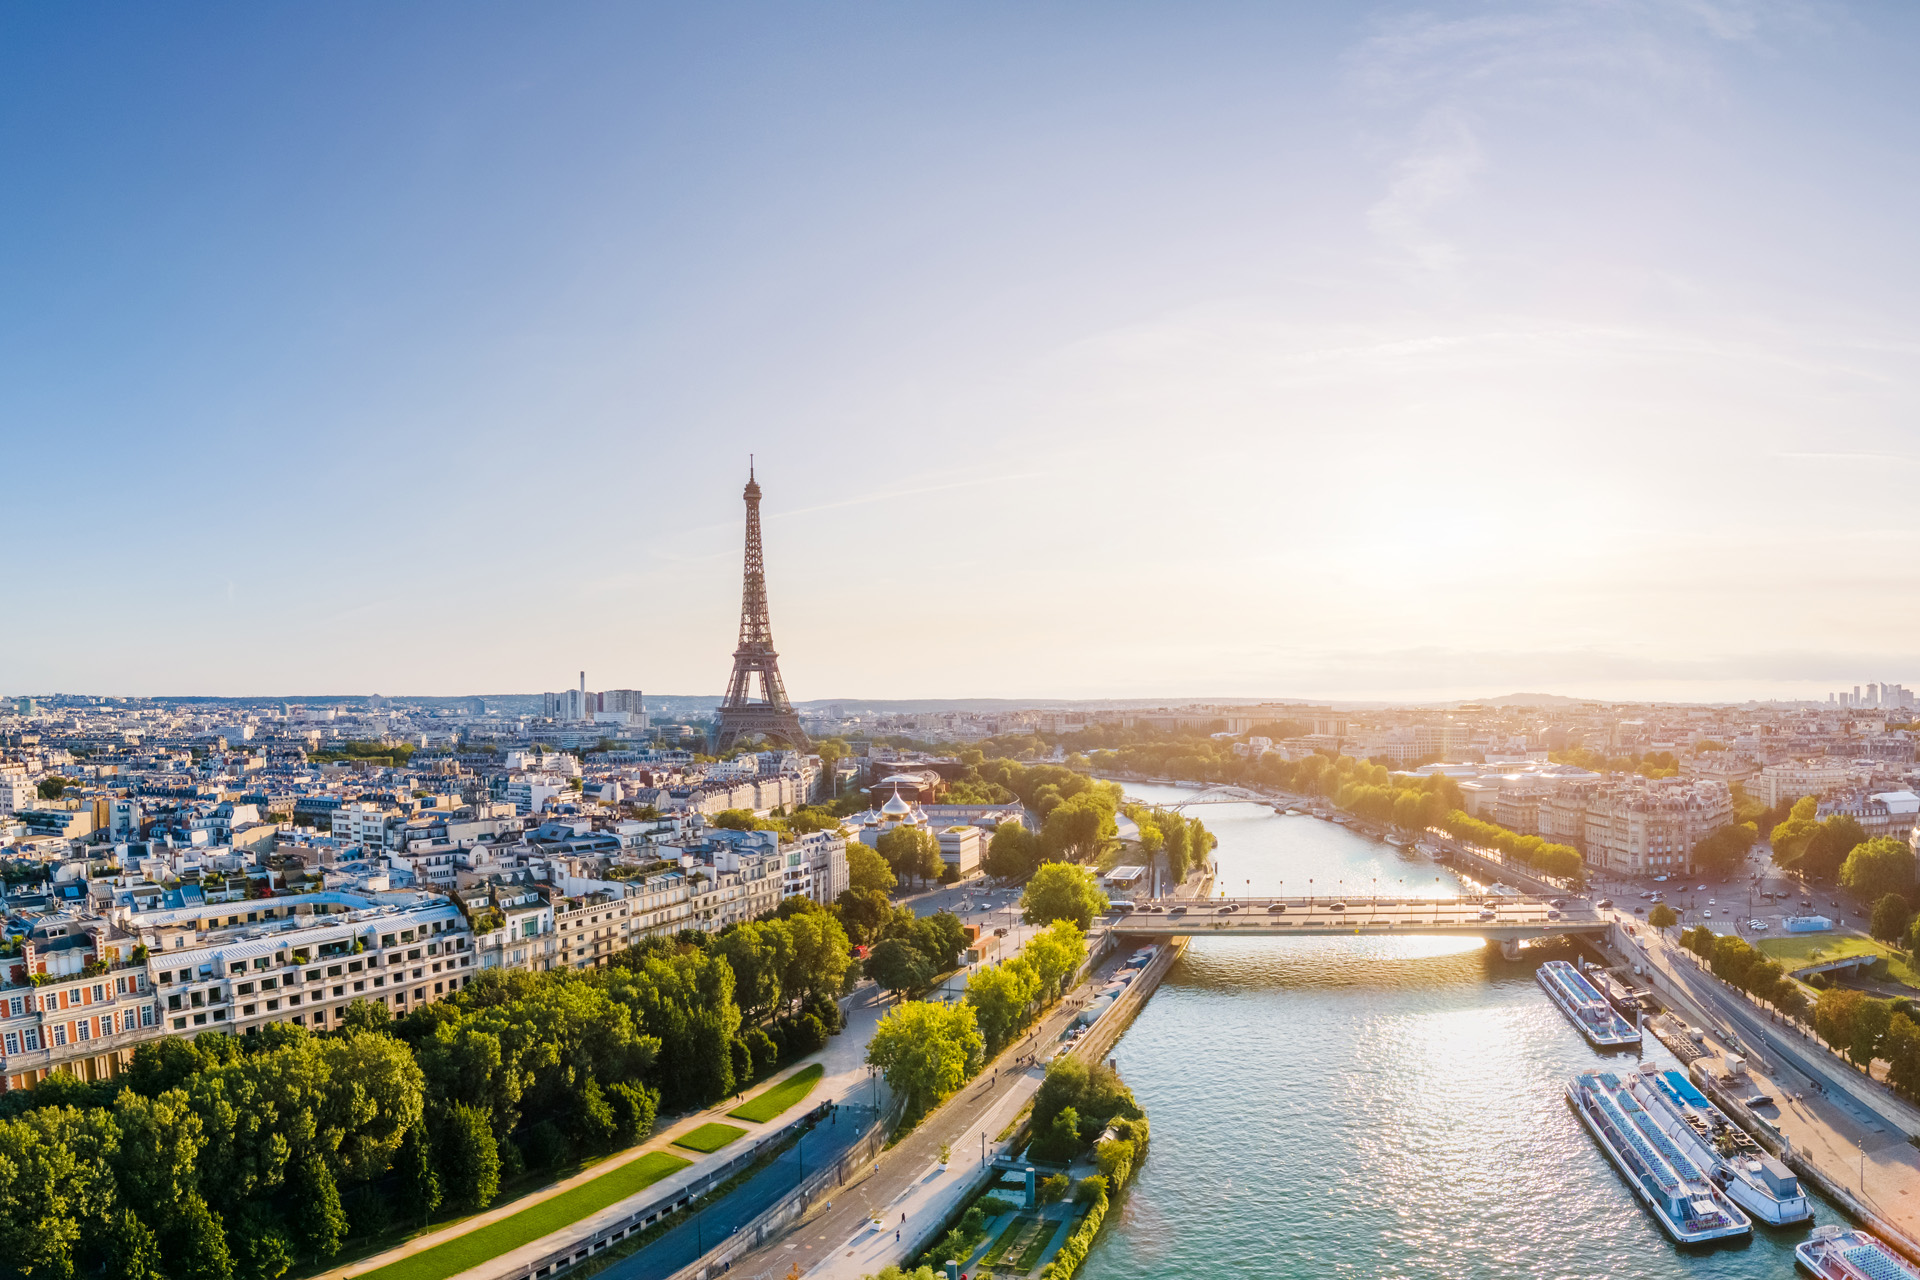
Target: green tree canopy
x=1662, y=917
x=926, y=1050
x=867, y=870
x=1061, y=891
x=1891, y=917
x=899, y=966
x=1877, y=868
x=1012, y=854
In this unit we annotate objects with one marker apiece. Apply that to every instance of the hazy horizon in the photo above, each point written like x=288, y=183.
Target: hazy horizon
x=1387, y=353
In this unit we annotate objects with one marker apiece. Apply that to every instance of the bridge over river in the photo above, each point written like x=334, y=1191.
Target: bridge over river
x=1508, y=920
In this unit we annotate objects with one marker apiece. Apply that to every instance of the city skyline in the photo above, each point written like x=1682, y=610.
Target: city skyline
x=1405, y=354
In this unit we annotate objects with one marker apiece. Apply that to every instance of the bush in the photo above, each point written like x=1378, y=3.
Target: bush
x=1074, y=1251
x=1089, y=1189
x=994, y=1206
x=1053, y=1188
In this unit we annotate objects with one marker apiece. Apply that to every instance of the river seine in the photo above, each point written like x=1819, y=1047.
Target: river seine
x=1371, y=1107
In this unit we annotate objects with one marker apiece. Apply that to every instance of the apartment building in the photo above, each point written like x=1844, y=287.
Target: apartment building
x=1797, y=778
x=1641, y=827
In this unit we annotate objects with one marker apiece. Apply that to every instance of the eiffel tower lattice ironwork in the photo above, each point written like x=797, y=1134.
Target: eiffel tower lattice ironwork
x=770, y=716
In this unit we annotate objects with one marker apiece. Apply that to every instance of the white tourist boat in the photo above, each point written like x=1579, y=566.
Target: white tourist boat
x=1586, y=1007
x=1682, y=1198
x=1837, y=1253
x=1738, y=1165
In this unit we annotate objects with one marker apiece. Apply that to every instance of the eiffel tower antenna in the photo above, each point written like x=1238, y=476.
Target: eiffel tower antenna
x=770, y=715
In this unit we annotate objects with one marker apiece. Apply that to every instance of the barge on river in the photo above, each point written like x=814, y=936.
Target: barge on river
x=1682, y=1198
x=1737, y=1164
x=1835, y=1253
x=1567, y=987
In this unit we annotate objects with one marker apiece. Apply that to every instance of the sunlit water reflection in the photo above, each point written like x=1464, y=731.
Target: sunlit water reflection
x=1370, y=1106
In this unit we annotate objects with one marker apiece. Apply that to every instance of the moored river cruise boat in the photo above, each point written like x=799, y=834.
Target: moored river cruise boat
x=1585, y=1006
x=1681, y=1196
x=1836, y=1253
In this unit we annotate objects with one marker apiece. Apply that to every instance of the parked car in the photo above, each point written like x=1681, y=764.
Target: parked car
x=1756, y=925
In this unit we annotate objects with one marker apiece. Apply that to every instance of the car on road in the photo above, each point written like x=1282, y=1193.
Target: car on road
x=1639, y=911
x=1756, y=925
x=1229, y=909
x=1277, y=909
x=1336, y=906
x=1553, y=915
x=1557, y=902
x=1706, y=915
x=1486, y=913
x=1712, y=903
x=1605, y=904
x=1176, y=911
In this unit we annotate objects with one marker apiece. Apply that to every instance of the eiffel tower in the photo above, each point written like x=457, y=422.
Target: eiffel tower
x=771, y=716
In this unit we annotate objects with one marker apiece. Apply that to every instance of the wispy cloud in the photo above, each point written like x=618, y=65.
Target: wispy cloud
x=1443, y=161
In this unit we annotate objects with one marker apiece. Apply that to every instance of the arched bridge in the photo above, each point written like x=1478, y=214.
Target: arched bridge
x=1509, y=920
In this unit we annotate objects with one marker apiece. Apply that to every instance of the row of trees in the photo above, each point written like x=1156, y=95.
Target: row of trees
x=222, y=1158
x=1738, y=965
x=1168, y=833
x=1542, y=855
x=928, y=1049
x=1863, y=1028
x=1814, y=847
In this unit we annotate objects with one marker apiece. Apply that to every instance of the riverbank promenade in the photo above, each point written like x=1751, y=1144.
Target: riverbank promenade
x=1852, y=1131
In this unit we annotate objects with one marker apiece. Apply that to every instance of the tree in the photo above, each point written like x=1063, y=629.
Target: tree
x=941, y=938
x=1721, y=852
x=757, y=953
x=863, y=914
x=1055, y=955
x=1060, y=891
x=51, y=788
x=1870, y=1026
x=1891, y=916
x=319, y=1223
x=1835, y=1013
x=133, y=1252
x=1012, y=853
x=1790, y=836
x=416, y=1180
x=196, y=1247
x=910, y=851
x=1001, y=995
x=365, y=1015
x=1060, y=1142
x=1878, y=868
x=867, y=870
x=817, y=964
x=1662, y=917
x=926, y=1051
x=1078, y=828
x=469, y=1157
x=1828, y=848
x=898, y=966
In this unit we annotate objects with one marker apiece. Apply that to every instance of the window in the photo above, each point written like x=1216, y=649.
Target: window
x=273, y=1006
x=86, y=1028
x=60, y=1035
x=244, y=989
x=16, y=1006
x=268, y=984
x=13, y=1043
x=99, y=993
x=32, y=1035
x=147, y=1015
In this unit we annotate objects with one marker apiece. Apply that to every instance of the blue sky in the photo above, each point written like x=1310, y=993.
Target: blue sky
x=1349, y=351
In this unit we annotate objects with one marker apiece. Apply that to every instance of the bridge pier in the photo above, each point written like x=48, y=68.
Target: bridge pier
x=1510, y=949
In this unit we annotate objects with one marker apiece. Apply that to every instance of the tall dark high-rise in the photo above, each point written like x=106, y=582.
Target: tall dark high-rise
x=770, y=715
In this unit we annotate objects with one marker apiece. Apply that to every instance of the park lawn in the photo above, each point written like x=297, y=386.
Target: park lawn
x=1798, y=951
x=709, y=1138
x=496, y=1238
x=774, y=1099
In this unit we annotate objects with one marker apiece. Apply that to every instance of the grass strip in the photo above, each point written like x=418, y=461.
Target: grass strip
x=774, y=1099
x=528, y=1225
x=1005, y=1241
x=709, y=1138
x=1036, y=1246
